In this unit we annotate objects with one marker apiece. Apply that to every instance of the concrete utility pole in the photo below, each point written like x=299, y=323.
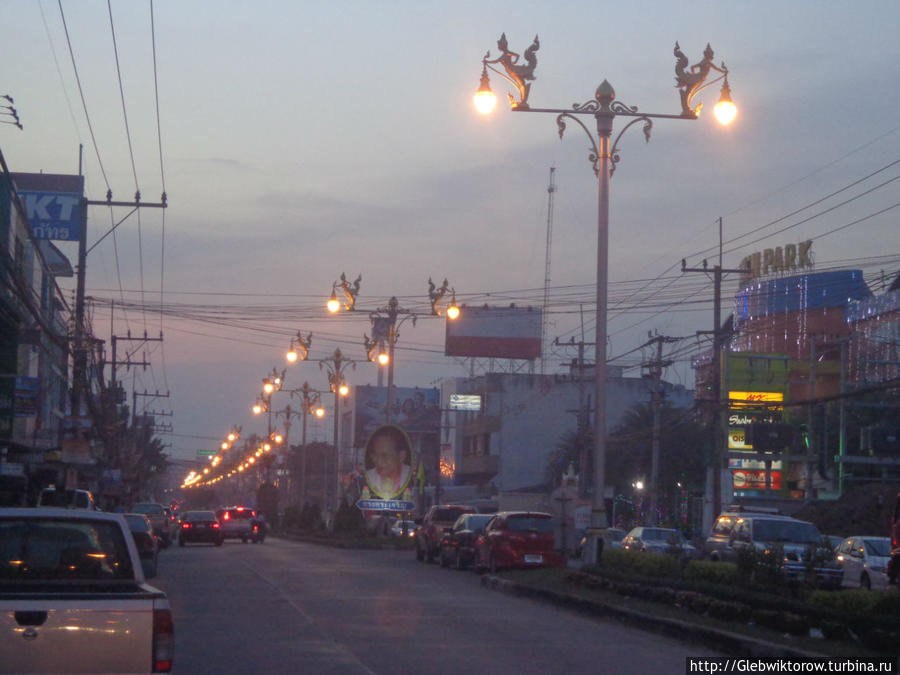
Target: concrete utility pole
x=718, y=429
x=656, y=398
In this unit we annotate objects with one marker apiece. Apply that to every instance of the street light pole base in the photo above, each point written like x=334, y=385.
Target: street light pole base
x=592, y=551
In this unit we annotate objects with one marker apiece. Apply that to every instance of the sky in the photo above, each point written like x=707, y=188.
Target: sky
x=299, y=140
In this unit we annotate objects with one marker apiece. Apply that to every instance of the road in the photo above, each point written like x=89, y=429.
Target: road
x=291, y=607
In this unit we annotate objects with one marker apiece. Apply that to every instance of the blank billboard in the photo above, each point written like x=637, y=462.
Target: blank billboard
x=495, y=332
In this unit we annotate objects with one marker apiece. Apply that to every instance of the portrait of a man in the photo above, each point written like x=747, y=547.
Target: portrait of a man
x=388, y=462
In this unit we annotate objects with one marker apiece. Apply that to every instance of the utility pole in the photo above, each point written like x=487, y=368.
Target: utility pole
x=79, y=352
x=718, y=429
x=657, y=395
x=582, y=414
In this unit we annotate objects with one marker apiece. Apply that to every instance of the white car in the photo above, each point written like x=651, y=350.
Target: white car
x=864, y=561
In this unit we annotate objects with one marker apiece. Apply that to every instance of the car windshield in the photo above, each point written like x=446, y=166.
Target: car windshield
x=476, y=523
x=786, y=531
x=529, y=524
x=669, y=536
x=47, y=549
x=447, y=514
x=137, y=523
x=149, y=509
x=878, y=547
x=195, y=516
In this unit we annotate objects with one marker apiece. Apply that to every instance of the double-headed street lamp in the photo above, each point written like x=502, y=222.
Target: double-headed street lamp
x=310, y=406
x=386, y=322
x=335, y=366
x=604, y=108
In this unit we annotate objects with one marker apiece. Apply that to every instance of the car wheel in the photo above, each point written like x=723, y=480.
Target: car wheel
x=865, y=582
x=492, y=565
x=181, y=541
x=442, y=559
x=458, y=563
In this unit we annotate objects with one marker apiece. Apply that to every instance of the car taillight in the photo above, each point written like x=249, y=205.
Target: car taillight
x=226, y=516
x=185, y=526
x=215, y=526
x=163, y=641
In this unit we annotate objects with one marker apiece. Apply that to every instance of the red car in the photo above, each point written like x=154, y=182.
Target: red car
x=520, y=539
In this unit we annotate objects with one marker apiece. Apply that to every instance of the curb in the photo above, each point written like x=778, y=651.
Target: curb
x=722, y=640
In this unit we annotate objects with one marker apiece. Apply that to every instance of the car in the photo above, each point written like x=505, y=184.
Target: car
x=519, y=539
x=437, y=519
x=239, y=522
x=612, y=538
x=403, y=528
x=66, y=499
x=458, y=544
x=200, y=526
x=658, y=540
x=158, y=518
x=864, y=561
x=145, y=540
x=747, y=530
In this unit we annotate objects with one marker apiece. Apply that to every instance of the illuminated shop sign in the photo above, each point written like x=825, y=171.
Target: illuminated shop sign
x=749, y=399
x=745, y=479
x=465, y=402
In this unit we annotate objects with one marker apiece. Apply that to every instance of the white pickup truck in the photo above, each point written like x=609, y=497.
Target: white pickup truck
x=73, y=598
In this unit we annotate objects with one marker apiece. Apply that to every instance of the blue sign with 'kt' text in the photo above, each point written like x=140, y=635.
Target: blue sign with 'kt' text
x=52, y=204
x=385, y=505
x=53, y=215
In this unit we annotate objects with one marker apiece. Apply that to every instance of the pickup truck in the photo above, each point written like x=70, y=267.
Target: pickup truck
x=73, y=597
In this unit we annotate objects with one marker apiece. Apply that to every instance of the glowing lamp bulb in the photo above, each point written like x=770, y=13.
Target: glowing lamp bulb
x=725, y=110
x=343, y=390
x=257, y=409
x=452, y=312
x=291, y=356
x=333, y=304
x=484, y=98
x=383, y=359
x=320, y=412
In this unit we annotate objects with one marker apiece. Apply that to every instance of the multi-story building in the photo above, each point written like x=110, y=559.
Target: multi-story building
x=33, y=350
x=508, y=441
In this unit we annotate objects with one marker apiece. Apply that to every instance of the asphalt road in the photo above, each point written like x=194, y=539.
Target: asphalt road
x=289, y=607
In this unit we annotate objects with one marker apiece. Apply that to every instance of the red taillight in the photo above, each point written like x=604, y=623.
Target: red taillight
x=226, y=516
x=163, y=641
x=255, y=527
x=215, y=526
x=185, y=526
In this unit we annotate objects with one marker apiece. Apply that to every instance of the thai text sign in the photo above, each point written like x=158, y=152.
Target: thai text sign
x=52, y=204
x=750, y=399
x=385, y=505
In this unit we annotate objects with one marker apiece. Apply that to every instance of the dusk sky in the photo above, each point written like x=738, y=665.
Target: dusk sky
x=300, y=140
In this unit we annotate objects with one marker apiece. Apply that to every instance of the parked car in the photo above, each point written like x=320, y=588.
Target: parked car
x=428, y=534
x=658, y=540
x=200, y=526
x=864, y=561
x=239, y=522
x=519, y=539
x=145, y=540
x=66, y=499
x=612, y=538
x=158, y=518
x=458, y=544
x=735, y=531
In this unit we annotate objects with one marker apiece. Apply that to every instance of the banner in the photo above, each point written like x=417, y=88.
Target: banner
x=52, y=204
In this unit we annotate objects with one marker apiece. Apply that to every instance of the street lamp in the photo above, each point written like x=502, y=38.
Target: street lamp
x=604, y=108
x=335, y=367
x=299, y=349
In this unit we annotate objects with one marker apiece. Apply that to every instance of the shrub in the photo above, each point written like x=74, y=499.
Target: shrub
x=882, y=640
x=887, y=604
x=848, y=602
x=783, y=622
x=834, y=630
x=707, y=571
x=644, y=564
x=729, y=611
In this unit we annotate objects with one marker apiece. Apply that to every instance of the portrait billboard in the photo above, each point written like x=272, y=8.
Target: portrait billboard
x=388, y=467
x=416, y=410
x=495, y=332
x=52, y=204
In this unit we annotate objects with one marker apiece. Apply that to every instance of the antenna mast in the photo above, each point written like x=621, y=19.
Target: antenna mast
x=551, y=188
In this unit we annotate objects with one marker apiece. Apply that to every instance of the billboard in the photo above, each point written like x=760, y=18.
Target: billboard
x=416, y=410
x=52, y=204
x=495, y=332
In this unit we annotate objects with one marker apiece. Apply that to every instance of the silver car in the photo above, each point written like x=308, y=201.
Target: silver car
x=864, y=561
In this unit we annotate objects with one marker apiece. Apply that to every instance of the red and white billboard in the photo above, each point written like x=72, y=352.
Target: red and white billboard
x=495, y=332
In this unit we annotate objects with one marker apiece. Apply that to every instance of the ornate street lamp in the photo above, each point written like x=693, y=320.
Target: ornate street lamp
x=335, y=367
x=604, y=108
x=299, y=349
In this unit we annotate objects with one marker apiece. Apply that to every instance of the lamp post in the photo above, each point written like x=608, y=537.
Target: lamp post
x=335, y=366
x=385, y=324
x=604, y=108
x=310, y=407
